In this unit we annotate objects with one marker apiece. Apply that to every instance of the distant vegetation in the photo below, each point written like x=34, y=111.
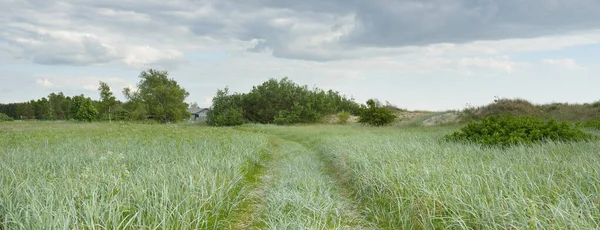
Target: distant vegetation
x=594, y=124
x=508, y=130
x=158, y=98
x=343, y=117
x=520, y=107
x=4, y=117
x=277, y=102
x=376, y=115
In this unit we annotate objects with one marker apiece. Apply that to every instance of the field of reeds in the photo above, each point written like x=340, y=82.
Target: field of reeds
x=63, y=175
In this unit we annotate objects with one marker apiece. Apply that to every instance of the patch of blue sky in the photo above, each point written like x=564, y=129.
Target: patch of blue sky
x=581, y=54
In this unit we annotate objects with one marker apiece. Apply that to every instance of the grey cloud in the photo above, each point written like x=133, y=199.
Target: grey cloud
x=400, y=23
x=51, y=50
x=377, y=23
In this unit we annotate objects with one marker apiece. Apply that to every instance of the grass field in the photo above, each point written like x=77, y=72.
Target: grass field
x=132, y=176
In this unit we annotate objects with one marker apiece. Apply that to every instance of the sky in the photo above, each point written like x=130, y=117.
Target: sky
x=415, y=54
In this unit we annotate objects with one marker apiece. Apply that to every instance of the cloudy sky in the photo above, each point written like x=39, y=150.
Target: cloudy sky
x=416, y=54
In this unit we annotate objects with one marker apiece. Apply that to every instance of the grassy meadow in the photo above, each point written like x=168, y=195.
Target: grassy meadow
x=62, y=175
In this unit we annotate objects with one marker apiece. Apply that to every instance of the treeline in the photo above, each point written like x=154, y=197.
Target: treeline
x=161, y=99
x=55, y=106
x=277, y=102
x=157, y=98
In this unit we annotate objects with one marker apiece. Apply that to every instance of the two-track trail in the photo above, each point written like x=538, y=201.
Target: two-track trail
x=297, y=190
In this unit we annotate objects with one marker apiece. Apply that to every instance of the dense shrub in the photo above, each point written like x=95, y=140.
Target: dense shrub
x=280, y=102
x=594, y=124
x=507, y=130
x=121, y=114
x=226, y=110
x=375, y=115
x=343, y=117
x=86, y=111
x=4, y=117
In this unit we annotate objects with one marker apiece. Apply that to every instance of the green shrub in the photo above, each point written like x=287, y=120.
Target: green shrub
x=227, y=117
x=121, y=114
x=376, y=116
x=594, y=124
x=508, y=130
x=343, y=117
x=4, y=117
x=87, y=111
x=282, y=102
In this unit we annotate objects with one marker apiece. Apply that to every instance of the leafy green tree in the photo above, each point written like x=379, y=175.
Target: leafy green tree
x=86, y=111
x=226, y=109
x=160, y=97
x=29, y=110
x=43, y=110
x=281, y=102
x=107, y=101
x=56, y=104
x=76, y=102
x=376, y=115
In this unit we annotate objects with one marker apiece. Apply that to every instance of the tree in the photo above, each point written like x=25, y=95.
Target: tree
x=56, y=104
x=280, y=102
x=162, y=98
x=107, y=100
x=76, y=102
x=376, y=115
x=29, y=110
x=86, y=111
x=226, y=109
x=43, y=111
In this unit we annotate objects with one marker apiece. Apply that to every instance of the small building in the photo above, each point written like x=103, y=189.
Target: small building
x=198, y=114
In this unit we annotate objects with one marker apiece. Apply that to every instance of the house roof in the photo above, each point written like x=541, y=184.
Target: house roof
x=196, y=110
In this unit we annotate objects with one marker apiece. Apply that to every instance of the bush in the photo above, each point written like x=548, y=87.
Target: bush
x=121, y=114
x=225, y=110
x=508, y=130
x=343, y=117
x=376, y=116
x=227, y=117
x=595, y=124
x=4, y=117
x=280, y=102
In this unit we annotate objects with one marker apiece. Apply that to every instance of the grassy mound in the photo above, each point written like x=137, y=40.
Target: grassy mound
x=520, y=107
x=508, y=130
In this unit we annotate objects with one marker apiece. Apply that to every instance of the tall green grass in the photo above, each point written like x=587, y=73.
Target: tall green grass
x=301, y=195
x=61, y=175
x=406, y=178
x=102, y=176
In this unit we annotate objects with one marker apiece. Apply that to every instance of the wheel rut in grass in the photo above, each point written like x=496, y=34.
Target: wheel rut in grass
x=353, y=215
x=260, y=182
x=298, y=190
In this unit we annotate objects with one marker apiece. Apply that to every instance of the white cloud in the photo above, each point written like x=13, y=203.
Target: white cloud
x=45, y=82
x=147, y=56
x=569, y=64
x=82, y=83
